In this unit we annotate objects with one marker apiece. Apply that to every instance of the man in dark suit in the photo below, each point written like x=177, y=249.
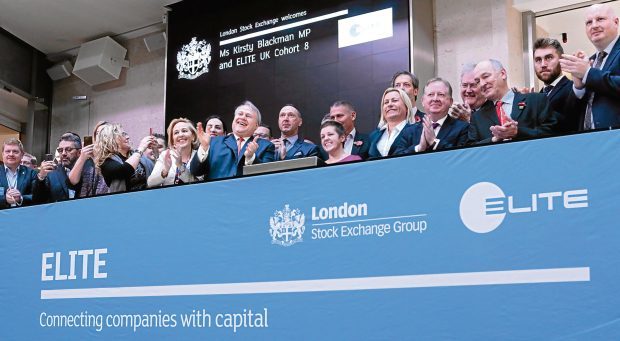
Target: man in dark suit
x=225, y=156
x=597, y=80
x=15, y=180
x=355, y=143
x=409, y=83
x=507, y=115
x=558, y=88
x=290, y=145
x=437, y=130
x=53, y=181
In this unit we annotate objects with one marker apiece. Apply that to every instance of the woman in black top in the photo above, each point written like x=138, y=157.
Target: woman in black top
x=122, y=169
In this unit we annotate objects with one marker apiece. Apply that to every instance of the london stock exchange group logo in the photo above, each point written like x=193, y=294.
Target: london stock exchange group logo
x=193, y=59
x=287, y=227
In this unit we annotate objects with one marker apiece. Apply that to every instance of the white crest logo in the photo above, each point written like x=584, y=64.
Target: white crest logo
x=193, y=59
x=287, y=226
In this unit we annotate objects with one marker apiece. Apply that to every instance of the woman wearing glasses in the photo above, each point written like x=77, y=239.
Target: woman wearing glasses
x=172, y=166
x=122, y=169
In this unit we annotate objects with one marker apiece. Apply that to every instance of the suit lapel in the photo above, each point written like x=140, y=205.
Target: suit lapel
x=613, y=55
x=558, y=87
x=231, y=143
x=291, y=152
x=3, y=181
x=21, y=177
x=62, y=180
x=445, y=128
x=516, y=112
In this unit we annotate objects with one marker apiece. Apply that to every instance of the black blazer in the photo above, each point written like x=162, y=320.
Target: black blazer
x=569, y=108
x=25, y=178
x=453, y=133
x=375, y=136
x=54, y=188
x=536, y=119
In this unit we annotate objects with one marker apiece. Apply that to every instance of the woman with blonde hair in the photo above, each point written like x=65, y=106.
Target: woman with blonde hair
x=122, y=169
x=172, y=166
x=396, y=114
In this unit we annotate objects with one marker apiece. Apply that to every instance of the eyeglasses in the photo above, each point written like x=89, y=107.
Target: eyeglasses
x=66, y=149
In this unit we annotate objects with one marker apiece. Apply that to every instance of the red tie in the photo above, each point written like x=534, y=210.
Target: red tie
x=239, y=144
x=500, y=112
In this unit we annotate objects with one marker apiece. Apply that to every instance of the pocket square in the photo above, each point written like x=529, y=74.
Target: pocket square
x=298, y=154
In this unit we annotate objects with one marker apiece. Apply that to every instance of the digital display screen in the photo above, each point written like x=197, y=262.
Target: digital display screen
x=305, y=53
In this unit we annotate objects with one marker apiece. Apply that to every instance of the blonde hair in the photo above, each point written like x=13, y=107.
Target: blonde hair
x=174, y=122
x=406, y=100
x=14, y=142
x=99, y=124
x=106, y=144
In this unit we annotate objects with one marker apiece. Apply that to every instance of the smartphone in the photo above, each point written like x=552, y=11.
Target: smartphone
x=49, y=157
x=151, y=131
x=88, y=140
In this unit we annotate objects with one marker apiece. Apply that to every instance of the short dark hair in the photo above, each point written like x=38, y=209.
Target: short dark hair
x=543, y=43
x=337, y=125
x=265, y=126
x=219, y=118
x=415, y=82
x=347, y=104
x=72, y=137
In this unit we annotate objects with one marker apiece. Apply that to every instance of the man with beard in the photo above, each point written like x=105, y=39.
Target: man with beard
x=558, y=88
x=510, y=115
x=54, y=181
x=224, y=156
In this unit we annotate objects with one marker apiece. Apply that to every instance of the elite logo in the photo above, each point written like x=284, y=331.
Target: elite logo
x=287, y=226
x=484, y=205
x=193, y=59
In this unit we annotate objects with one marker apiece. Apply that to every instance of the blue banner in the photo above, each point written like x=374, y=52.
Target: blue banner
x=515, y=241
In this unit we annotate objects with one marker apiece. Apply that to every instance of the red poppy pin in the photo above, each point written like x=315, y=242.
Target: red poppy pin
x=358, y=143
x=416, y=118
x=521, y=105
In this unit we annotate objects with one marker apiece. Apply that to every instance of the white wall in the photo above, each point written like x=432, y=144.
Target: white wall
x=472, y=30
x=136, y=100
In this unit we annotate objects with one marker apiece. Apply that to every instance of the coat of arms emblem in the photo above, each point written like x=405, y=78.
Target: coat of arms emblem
x=287, y=227
x=193, y=59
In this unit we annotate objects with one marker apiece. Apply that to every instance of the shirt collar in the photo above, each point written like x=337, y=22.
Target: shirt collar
x=610, y=46
x=291, y=139
x=508, y=98
x=442, y=120
x=8, y=170
x=352, y=133
x=556, y=81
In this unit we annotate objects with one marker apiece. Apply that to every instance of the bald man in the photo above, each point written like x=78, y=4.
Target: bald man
x=597, y=79
x=507, y=115
x=290, y=145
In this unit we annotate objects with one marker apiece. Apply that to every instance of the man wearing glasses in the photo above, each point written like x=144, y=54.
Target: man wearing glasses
x=54, y=182
x=15, y=180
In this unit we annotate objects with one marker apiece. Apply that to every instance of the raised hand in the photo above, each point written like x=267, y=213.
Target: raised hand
x=203, y=137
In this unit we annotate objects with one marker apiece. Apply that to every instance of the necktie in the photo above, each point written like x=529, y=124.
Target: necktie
x=547, y=89
x=435, y=125
x=239, y=144
x=588, y=122
x=500, y=112
x=283, y=149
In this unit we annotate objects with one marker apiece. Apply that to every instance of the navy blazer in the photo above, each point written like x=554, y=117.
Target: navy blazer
x=375, y=136
x=54, y=188
x=361, y=144
x=605, y=83
x=569, y=108
x=453, y=133
x=25, y=178
x=536, y=119
x=299, y=149
x=223, y=161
